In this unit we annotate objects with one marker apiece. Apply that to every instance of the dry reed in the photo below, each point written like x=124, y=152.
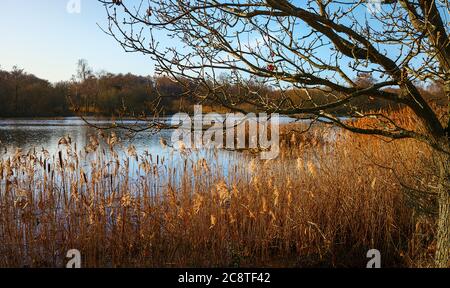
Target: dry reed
x=321, y=203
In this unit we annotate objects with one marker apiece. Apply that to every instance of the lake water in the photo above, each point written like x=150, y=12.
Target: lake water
x=39, y=135
x=26, y=134
x=44, y=134
x=29, y=134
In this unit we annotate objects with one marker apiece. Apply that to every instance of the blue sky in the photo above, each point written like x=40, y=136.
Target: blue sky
x=42, y=37
x=46, y=40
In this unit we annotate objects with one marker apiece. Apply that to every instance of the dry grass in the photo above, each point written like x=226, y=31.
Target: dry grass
x=321, y=203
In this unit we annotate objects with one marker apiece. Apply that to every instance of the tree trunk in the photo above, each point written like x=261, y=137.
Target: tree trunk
x=442, y=258
x=17, y=99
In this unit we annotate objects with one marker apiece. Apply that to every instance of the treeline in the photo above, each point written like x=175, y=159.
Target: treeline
x=127, y=95
x=23, y=94
x=101, y=94
x=107, y=94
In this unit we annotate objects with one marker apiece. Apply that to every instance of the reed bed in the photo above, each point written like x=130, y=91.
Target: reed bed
x=321, y=203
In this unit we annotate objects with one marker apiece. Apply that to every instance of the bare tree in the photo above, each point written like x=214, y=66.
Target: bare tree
x=321, y=44
x=83, y=70
x=83, y=75
x=17, y=75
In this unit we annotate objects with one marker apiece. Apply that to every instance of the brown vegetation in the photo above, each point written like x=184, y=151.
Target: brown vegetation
x=321, y=203
x=128, y=95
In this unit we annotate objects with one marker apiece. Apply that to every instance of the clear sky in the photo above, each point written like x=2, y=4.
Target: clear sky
x=42, y=37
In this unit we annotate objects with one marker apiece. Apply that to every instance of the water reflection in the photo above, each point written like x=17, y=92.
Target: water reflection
x=37, y=134
x=44, y=135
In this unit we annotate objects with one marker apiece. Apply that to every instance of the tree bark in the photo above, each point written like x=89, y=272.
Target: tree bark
x=442, y=257
x=443, y=236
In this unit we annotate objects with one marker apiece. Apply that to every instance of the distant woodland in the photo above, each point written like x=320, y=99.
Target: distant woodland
x=106, y=94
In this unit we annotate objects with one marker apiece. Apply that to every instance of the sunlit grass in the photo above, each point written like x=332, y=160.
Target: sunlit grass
x=322, y=202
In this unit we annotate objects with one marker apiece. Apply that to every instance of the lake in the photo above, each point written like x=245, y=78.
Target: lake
x=29, y=134
x=39, y=135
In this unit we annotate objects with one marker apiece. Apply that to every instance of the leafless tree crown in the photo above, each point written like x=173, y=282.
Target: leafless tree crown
x=298, y=46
